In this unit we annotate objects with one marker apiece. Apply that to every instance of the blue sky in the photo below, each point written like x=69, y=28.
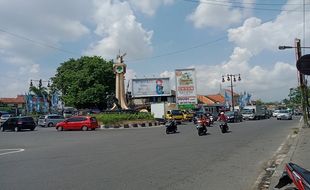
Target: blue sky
x=215, y=37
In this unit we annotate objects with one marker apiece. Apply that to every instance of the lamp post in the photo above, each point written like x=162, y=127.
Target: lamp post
x=232, y=78
x=40, y=81
x=302, y=81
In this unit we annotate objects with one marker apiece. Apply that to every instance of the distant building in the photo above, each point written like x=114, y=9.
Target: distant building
x=15, y=104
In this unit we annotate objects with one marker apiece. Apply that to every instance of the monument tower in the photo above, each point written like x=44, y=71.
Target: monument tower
x=119, y=69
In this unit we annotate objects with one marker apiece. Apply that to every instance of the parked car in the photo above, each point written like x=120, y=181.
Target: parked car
x=233, y=116
x=78, y=123
x=4, y=117
x=50, y=120
x=18, y=123
x=284, y=114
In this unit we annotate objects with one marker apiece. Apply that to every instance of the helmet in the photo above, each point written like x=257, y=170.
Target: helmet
x=222, y=113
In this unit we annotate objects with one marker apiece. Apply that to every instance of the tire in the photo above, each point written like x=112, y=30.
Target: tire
x=32, y=129
x=2, y=129
x=50, y=124
x=60, y=128
x=167, y=131
x=16, y=129
x=84, y=128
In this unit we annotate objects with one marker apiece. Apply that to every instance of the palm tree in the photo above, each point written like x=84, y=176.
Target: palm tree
x=41, y=91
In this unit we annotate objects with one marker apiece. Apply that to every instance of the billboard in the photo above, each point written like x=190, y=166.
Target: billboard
x=186, y=92
x=146, y=87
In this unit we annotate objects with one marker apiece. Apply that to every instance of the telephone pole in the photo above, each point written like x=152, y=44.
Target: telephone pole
x=303, y=87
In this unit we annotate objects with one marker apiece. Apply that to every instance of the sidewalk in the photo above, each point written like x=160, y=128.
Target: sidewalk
x=299, y=153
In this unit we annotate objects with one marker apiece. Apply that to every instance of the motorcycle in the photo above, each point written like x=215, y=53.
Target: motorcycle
x=295, y=174
x=201, y=127
x=224, y=127
x=171, y=127
x=211, y=119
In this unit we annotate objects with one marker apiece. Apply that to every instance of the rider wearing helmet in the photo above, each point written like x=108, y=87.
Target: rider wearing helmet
x=222, y=118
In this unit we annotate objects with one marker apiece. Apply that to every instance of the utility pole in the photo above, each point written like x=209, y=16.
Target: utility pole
x=303, y=87
x=232, y=78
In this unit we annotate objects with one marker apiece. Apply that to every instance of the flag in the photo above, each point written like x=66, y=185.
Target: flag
x=38, y=104
x=45, y=104
x=30, y=102
x=227, y=99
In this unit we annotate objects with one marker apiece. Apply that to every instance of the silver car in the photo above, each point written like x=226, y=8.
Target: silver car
x=50, y=120
x=284, y=114
x=4, y=117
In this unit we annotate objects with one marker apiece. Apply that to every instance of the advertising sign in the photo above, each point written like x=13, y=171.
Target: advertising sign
x=186, y=94
x=146, y=87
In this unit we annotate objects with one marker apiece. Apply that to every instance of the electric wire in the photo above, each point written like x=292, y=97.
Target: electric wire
x=37, y=42
x=242, y=7
x=181, y=50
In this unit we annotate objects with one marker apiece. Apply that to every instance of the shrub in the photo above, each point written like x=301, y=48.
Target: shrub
x=117, y=118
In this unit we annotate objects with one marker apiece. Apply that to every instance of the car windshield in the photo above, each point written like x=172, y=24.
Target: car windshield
x=283, y=111
x=6, y=116
x=176, y=112
x=229, y=113
x=247, y=111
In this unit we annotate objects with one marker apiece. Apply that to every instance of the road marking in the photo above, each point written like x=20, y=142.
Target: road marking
x=10, y=151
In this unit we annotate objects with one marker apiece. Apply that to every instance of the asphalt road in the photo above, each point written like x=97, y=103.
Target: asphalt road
x=140, y=158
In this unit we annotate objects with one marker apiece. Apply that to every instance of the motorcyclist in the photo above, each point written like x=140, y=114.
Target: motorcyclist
x=222, y=118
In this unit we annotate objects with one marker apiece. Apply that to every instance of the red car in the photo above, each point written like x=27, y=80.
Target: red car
x=83, y=123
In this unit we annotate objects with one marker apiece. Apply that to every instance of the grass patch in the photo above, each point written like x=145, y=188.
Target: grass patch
x=121, y=118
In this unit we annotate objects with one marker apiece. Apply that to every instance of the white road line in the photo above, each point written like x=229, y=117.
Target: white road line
x=11, y=151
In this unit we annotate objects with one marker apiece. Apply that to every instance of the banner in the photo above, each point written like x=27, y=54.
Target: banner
x=147, y=87
x=186, y=93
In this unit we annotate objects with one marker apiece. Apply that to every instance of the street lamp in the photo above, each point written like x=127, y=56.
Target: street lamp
x=302, y=81
x=40, y=81
x=231, y=78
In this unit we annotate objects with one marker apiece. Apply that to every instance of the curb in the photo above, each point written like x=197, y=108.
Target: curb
x=132, y=125
x=282, y=160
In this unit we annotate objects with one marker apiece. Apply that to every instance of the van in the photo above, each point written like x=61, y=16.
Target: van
x=50, y=120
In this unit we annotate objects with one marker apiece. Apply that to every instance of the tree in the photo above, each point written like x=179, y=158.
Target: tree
x=84, y=82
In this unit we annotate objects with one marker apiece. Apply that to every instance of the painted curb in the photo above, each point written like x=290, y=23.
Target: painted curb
x=132, y=125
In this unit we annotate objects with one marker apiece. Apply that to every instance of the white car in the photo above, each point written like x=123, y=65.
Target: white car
x=4, y=117
x=284, y=114
x=275, y=113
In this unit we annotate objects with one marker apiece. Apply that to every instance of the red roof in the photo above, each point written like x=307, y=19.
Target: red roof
x=217, y=98
x=204, y=99
x=18, y=100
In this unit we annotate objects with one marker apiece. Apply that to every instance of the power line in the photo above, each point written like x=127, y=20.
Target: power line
x=239, y=6
x=181, y=50
x=37, y=42
x=249, y=3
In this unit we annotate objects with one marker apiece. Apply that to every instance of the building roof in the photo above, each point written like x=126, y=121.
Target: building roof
x=211, y=99
x=204, y=100
x=217, y=98
x=18, y=100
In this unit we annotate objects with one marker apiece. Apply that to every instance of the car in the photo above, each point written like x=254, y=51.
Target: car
x=83, y=123
x=275, y=113
x=233, y=116
x=50, y=120
x=284, y=114
x=187, y=115
x=18, y=123
x=4, y=117
x=248, y=114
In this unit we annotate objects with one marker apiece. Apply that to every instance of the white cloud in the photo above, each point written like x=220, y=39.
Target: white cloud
x=256, y=35
x=120, y=30
x=149, y=7
x=218, y=14
x=267, y=84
